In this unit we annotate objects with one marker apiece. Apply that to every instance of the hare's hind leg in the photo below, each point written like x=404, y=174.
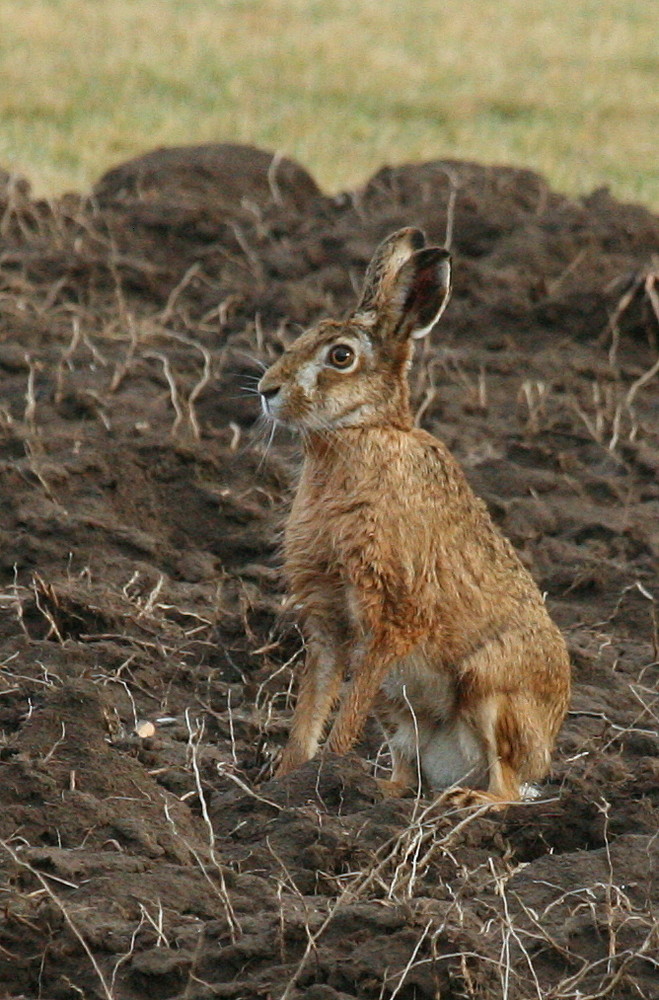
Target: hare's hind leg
x=320, y=686
x=515, y=747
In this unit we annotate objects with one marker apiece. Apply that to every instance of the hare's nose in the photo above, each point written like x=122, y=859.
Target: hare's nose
x=270, y=392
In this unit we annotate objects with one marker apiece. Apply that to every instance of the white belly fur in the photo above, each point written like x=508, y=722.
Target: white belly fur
x=448, y=749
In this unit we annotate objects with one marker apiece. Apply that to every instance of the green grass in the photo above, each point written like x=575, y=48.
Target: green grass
x=567, y=87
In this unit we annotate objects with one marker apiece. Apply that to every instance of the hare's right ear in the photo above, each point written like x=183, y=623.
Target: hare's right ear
x=385, y=265
x=418, y=295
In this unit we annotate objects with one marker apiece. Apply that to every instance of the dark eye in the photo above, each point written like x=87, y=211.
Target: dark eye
x=341, y=356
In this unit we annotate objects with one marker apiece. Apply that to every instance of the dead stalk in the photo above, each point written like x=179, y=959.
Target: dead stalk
x=198, y=388
x=128, y=954
x=237, y=780
x=66, y=360
x=122, y=368
x=450, y=206
x=168, y=311
x=195, y=736
x=30, y=398
x=272, y=178
x=534, y=394
x=40, y=587
x=173, y=389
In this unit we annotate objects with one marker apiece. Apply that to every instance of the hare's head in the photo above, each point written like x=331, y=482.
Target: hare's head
x=354, y=372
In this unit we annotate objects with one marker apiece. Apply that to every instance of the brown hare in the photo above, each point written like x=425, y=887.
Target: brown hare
x=402, y=584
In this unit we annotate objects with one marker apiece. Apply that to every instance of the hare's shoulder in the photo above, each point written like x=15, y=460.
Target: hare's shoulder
x=434, y=451
x=422, y=464
x=396, y=450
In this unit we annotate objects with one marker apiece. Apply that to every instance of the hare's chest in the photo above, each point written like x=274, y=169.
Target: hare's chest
x=313, y=568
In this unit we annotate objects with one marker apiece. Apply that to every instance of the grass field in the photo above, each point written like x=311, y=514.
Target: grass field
x=567, y=87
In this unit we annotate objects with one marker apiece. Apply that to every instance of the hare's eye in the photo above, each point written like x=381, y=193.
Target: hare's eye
x=341, y=356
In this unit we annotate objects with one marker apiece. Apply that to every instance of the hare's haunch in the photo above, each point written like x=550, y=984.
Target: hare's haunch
x=404, y=587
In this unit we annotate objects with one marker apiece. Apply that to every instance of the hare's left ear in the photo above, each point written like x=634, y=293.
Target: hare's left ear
x=387, y=261
x=418, y=294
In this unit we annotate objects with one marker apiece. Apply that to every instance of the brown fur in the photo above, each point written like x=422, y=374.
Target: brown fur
x=401, y=581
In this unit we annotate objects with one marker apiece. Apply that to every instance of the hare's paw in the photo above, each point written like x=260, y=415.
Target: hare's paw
x=292, y=757
x=457, y=799
x=394, y=789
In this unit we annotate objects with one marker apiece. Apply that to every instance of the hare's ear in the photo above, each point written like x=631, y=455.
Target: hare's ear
x=418, y=295
x=385, y=265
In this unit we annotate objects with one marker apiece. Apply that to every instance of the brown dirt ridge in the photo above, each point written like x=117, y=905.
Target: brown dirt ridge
x=140, y=525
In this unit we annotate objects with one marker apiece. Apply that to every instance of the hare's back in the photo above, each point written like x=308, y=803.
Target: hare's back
x=421, y=481
x=425, y=498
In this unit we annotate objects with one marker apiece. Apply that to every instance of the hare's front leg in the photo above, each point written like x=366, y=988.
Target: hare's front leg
x=358, y=700
x=319, y=689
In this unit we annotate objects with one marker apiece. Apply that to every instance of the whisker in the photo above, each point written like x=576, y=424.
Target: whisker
x=255, y=361
x=240, y=395
x=267, y=447
x=255, y=436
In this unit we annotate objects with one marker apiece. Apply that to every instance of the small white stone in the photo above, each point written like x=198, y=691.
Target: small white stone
x=145, y=729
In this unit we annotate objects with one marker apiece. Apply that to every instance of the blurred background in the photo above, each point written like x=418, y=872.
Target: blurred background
x=566, y=87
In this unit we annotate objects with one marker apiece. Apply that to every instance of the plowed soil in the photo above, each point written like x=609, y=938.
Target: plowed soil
x=146, y=669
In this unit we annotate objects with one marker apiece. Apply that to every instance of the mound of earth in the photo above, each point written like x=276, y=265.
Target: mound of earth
x=216, y=176
x=147, y=671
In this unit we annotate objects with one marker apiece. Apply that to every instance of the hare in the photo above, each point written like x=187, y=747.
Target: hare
x=403, y=585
